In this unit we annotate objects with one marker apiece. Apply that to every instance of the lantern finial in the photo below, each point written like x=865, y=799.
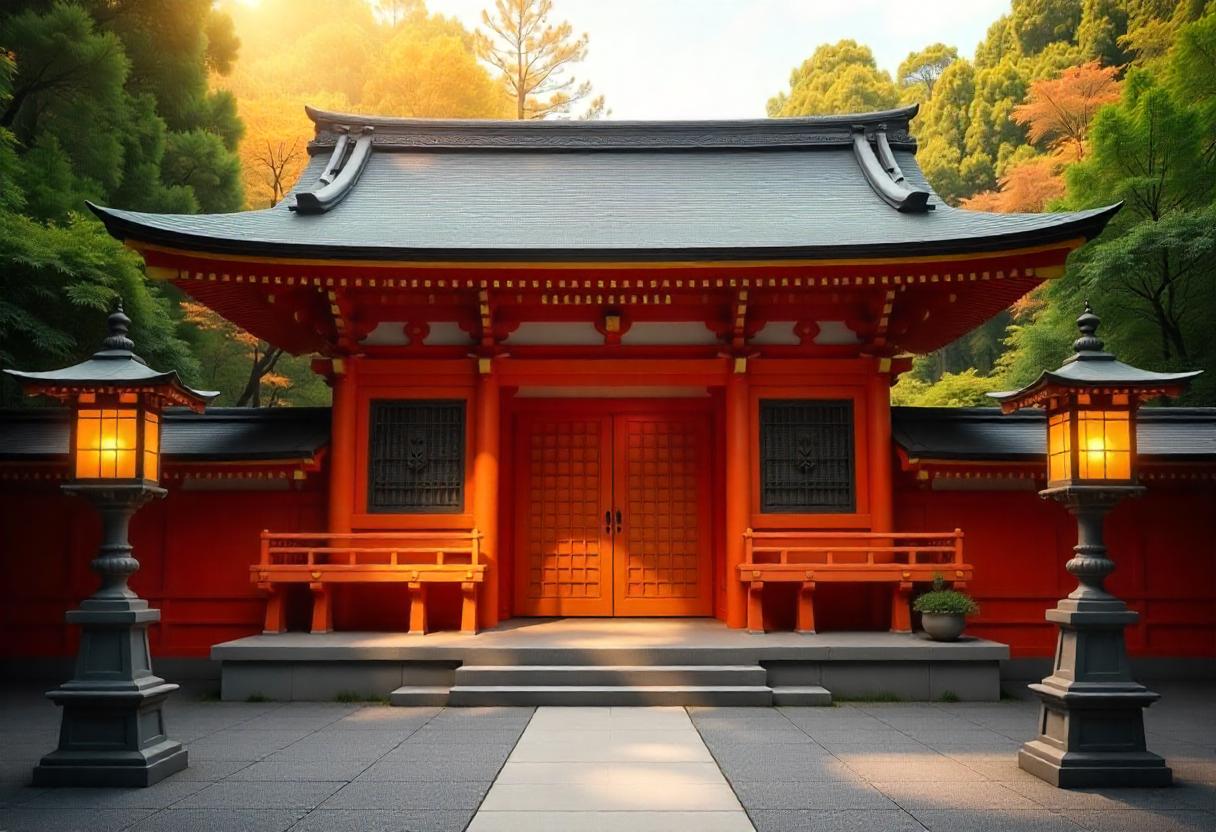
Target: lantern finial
x=118, y=324
x=1088, y=323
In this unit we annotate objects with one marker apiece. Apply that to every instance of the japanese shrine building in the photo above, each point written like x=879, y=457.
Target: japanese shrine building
x=591, y=366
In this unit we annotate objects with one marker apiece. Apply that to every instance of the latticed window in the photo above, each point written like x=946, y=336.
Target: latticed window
x=416, y=458
x=806, y=456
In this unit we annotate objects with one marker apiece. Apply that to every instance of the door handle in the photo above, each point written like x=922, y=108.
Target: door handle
x=618, y=521
x=608, y=522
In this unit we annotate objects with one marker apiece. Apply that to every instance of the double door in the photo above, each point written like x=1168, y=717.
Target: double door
x=612, y=512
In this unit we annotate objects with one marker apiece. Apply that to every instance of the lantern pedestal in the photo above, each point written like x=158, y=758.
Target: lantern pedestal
x=113, y=727
x=1091, y=721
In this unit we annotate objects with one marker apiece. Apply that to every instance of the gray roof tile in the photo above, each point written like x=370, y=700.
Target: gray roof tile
x=481, y=190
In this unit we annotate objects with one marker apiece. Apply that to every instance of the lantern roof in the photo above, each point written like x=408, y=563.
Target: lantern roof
x=114, y=368
x=1092, y=368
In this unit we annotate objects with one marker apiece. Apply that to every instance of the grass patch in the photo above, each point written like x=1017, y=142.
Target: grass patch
x=869, y=697
x=948, y=696
x=210, y=695
x=349, y=697
x=257, y=697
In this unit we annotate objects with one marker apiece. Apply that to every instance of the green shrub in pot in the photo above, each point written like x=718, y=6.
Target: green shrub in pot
x=943, y=611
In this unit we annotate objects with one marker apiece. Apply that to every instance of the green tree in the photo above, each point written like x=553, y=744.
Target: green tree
x=942, y=131
x=838, y=78
x=107, y=101
x=104, y=90
x=919, y=72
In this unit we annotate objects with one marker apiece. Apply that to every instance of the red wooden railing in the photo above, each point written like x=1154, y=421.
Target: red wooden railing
x=809, y=557
x=321, y=559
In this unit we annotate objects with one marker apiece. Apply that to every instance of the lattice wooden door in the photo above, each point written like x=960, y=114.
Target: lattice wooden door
x=661, y=484
x=612, y=515
x=563, y=547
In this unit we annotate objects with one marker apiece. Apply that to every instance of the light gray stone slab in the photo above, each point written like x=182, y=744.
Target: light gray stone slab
x=301, y=770
x=817, y=796
x=953, y=796
x=21, y=819
x=446, y=735
x=383, y=820
x=610, y=822
x=158, y=796
x=1139, y=820
x=432, y=771
x=417, y=796
x=856, y=820
x=383, y=718
x=339, y=745
x=990, y=820
x=219, y=820
x=259, y=795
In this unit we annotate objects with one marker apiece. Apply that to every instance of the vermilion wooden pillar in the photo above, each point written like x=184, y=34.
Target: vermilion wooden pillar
x=342, y=447
x=485, y=492
x=738, y=494
x=882, y=509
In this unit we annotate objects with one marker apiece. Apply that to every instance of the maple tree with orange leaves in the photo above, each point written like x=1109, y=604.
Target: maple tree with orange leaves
x=1059, y=110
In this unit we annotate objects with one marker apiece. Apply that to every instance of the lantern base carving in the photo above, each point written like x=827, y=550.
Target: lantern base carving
x=1091, y=717
x=113, y=728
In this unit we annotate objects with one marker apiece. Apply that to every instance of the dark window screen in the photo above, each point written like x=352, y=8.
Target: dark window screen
x=806, y=456
x=416, y=456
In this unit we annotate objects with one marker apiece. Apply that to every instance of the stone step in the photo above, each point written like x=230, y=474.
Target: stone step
x=611, y=675
x=414, y=696
x=723, y=695
x=804, y=695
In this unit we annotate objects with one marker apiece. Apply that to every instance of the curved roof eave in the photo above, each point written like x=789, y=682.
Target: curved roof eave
x=143, y=227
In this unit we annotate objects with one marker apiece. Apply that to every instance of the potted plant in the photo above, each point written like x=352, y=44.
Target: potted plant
x=943, y=611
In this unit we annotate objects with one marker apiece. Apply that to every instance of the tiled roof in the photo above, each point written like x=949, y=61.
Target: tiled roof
x=220, y=434
x=1173, y=434
x=1180, y=434
x=773, y=188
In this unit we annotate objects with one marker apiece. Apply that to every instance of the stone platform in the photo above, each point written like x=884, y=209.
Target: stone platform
x=617, y=661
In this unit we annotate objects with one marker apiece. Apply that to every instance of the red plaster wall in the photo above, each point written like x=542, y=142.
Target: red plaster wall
x=1163, y=545
x=196, y=547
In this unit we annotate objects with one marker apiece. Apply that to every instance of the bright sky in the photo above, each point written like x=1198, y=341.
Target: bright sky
x=656, y=59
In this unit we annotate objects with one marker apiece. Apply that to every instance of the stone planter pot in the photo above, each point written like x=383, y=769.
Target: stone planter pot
x=943, y=626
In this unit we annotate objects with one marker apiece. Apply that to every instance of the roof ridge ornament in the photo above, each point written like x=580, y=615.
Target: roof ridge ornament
x=117, y=340
x=885, y=177
x=1089, y=342
x=340, y=175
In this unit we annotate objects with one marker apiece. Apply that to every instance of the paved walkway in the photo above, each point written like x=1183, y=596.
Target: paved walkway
x=313, y=767
x=609, y=769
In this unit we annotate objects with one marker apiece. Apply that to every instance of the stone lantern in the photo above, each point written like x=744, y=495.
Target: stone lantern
x=113, y=728
x=1091, y=718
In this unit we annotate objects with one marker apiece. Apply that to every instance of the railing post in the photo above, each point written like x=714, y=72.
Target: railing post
x=958, y=545
x=265, y=553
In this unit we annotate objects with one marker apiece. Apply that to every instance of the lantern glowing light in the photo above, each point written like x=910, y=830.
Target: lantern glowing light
x=117, y=443
x=1089, y=442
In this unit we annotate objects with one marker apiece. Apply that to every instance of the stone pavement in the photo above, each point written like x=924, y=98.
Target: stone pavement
x=858, y=766
x=609, y=769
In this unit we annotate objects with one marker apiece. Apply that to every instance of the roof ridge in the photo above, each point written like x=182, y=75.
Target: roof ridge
x=412, y=133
